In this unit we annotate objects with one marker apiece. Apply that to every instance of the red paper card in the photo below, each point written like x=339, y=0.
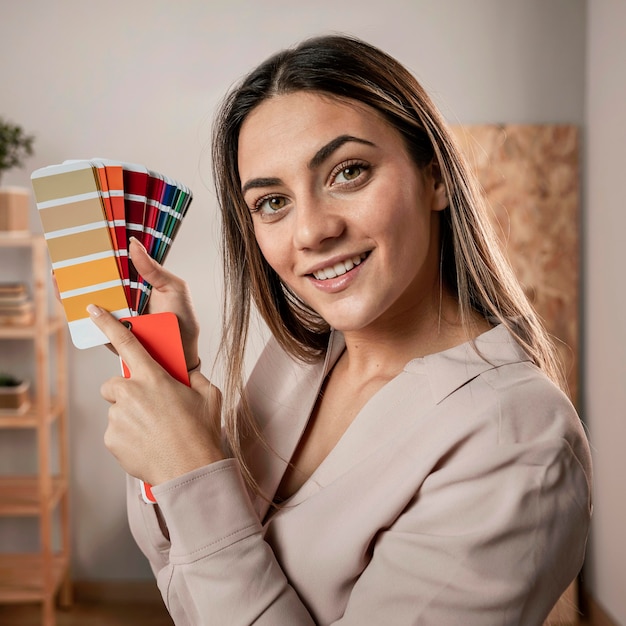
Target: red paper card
x=159, y=334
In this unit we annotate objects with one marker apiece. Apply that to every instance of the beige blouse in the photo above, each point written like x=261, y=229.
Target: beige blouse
x=460, y=494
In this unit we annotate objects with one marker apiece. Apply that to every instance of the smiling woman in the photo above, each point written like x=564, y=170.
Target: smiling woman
x=402, y=451
x=320, y=197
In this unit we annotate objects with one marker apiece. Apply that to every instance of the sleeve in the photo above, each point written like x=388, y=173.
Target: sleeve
x=215, y=567
x=492, y=537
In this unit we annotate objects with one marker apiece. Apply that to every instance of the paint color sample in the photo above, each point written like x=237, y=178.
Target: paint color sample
x=88, y=210
x=72, y=214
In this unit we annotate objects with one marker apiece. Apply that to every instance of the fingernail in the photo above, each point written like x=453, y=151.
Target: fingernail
x=137, y=242
x=94, y=310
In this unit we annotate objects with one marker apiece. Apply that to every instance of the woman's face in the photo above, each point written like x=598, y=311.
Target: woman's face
x=340, y=211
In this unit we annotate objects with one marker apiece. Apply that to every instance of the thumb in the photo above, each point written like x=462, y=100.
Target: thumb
x=146, y=266
x=198, y=382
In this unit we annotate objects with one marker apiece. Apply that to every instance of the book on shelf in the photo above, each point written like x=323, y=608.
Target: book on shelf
x=16, y=305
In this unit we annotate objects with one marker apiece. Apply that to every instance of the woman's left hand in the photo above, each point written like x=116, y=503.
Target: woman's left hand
x=169, y=293
x=158, y=427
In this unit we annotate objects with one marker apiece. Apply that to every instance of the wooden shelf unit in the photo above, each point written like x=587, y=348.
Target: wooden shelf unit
x=41, y=576
x=24, y=576
x=20, y=496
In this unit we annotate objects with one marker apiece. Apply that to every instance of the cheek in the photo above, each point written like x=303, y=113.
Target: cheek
x=273, y=248
x=410, y=235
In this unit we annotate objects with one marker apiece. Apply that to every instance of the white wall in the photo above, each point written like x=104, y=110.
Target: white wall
x=138, y=80
x=605, y=299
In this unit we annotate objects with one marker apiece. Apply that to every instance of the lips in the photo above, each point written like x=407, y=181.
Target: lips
x=340, y=268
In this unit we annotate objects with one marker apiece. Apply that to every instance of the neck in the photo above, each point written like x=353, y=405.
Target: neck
x=385, y=348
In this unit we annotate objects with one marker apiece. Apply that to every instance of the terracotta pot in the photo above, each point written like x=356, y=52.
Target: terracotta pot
x=14, y=209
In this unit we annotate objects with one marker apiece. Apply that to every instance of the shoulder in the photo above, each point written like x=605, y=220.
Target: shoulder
x=524, y=421
x=495, y=392
x=522, y=389
x=495, y=375
x=530, y=406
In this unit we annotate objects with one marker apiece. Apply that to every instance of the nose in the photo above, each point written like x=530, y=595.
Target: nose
x=316, y=221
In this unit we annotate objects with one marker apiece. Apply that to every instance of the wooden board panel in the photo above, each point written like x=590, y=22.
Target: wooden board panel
x=530, y=177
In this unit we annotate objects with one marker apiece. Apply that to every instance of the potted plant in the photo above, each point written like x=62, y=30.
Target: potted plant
x=15, y=146
x=14, y=396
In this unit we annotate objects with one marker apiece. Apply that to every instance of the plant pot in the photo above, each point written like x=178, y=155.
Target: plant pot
x=15, y=399
x=14, y=209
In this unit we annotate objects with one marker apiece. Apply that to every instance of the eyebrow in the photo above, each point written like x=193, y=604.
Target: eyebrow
x=334, y=144
x=318, y=158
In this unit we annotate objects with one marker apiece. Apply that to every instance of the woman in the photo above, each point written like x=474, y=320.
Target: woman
x=402, y=452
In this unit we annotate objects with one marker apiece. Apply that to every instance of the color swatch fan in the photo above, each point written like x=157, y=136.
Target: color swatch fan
x=89, y=210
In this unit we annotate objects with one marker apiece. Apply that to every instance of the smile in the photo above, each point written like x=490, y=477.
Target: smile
x=339, y=268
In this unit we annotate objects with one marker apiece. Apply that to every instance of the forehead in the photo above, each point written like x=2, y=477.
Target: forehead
x=282, y=105
x=300, y=122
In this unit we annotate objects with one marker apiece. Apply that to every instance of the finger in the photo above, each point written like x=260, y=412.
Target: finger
x=212, y=398
x=211, y=394
x=198, y=382
x=108, y=390
x=122, y=340
x=149, y=269
x=55, y=285
x=207, y=389
x=215, y=399
x=109, y=347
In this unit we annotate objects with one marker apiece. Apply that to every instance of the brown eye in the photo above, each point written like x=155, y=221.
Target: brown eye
x=271, y=204
x=275, y=204
x=351, y=172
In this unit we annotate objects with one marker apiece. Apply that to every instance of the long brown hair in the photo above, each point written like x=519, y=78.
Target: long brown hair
x=473, y=266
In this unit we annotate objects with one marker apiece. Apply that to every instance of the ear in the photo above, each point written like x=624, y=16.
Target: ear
x=440, y=199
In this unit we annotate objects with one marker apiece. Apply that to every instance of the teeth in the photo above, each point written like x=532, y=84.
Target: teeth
x=339, y=268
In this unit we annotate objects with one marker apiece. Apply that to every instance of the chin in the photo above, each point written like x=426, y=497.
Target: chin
x=347, y=323
x=351, y=315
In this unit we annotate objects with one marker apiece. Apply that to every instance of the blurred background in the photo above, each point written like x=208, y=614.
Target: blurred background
x=139, y=81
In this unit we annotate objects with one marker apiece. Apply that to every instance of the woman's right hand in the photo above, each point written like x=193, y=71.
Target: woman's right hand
x=169, y=293
x=159, y=428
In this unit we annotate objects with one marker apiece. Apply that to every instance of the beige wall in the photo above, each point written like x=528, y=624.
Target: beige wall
x=140, y=81
x=605, y=299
